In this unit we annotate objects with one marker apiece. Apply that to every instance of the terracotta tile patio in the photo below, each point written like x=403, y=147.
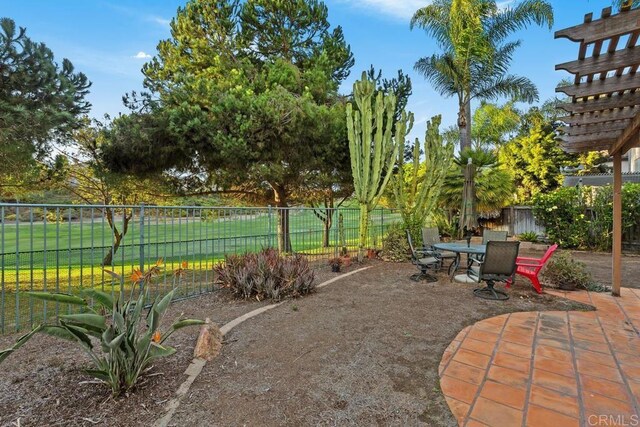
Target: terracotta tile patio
x=549, y=368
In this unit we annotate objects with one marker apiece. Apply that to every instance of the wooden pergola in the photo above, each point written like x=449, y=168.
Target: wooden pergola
x=605, y=99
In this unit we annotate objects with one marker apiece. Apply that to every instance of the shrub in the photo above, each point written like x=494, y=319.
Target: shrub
x=266, y=275
x=528, y=236
x=562, y=212
x=564, y=272
x=126, y=349
x=583, y=217
x=395, y=247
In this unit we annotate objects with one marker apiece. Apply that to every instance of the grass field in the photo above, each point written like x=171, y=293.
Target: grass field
x=67, y=255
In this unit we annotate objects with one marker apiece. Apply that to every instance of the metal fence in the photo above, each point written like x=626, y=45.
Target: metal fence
x=65, y=248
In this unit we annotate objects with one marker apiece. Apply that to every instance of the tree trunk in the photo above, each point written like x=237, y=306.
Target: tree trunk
x=284, y=236
x=326, y=233
x=117, y=235
x=364, y=231
x=464, y=125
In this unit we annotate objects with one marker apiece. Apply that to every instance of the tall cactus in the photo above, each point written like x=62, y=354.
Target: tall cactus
x=417, y=186
x=373, y=147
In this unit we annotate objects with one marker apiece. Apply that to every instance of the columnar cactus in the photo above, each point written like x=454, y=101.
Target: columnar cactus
x=373, y=147
x=417, y=186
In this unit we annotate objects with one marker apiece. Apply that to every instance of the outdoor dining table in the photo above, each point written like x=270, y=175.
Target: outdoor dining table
x=460, y=248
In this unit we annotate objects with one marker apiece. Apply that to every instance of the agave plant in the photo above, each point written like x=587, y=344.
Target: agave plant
x=124, y=349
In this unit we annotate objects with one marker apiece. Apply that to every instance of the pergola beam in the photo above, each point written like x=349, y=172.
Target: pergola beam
x=582, y=148
x=626, y=135
x=628, y=99
x=594, y=128
x=602, y=87
x=593, y=137
x=604, y=28
x=600, y=116
x=602, y=63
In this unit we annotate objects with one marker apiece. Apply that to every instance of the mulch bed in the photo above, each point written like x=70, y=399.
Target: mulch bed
x=364, y=350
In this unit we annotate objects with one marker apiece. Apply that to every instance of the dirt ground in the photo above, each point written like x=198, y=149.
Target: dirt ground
x=362, y=351
x=599, y=264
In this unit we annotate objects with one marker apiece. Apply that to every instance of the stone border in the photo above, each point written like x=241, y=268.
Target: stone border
x=195, y=368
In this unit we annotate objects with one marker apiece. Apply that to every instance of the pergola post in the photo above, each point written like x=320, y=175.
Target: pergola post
x=604, y=102
x=617, y=224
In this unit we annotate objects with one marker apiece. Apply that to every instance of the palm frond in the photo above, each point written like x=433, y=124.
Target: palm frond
x=441, y=72
x=510, y=20
x=509, y=86
x=434, y=20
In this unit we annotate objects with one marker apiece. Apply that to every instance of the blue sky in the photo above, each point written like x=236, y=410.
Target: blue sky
x=110, y=40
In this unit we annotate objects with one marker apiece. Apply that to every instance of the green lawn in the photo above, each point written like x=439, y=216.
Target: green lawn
x=65, y=256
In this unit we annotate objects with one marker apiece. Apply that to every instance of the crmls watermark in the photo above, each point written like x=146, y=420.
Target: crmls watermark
x=613, y=420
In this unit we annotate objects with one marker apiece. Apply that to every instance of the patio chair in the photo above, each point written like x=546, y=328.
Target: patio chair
x=430, y=237
x=531, y=267
x=424, y=260
x=493, y=235
x=488, y=236
x=498, y=265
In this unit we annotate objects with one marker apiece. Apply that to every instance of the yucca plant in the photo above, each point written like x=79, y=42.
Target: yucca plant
x=125, y=349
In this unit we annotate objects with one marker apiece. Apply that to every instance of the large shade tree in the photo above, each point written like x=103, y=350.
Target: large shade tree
x=476, y=53
x=244, y=101
x=41, y=102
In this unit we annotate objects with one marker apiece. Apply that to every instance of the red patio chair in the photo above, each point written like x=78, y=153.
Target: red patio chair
x=530, y=268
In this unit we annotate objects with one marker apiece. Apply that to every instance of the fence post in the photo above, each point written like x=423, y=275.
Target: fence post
x=142, y=263
x=512, y=223
x=381, y=226
x=270, y=214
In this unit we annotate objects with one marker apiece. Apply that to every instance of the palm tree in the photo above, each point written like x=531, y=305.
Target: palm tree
x=476, y=56
x=494, y=186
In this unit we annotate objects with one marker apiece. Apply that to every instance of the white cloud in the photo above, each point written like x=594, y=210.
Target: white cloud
x=402, y=9
x=142, y=55
x=163, y=22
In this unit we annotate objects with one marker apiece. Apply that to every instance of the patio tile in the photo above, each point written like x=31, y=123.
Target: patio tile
x=464, y=372
x=591, y=336
x=481, y=335
x=513, y=362
x=556, y=366
x=508, y=376
x=517, y=338
x=474, y=423
x=565, y=385
x=598, y=370
x=554, y=400
x=591, y=346
x=554, y=342
x=553, y=353
x=631, y=372
x=504, y=394
x=515, y=349
x=635, y=390
x=603, y=345
x=472, y=358
x=495, y=414
x=604, y=387
x=458, y=390
x=537, y=416
x=601, y=405
x=482, y=347
x=628, y=359
x=592, y=356
x=458, y=409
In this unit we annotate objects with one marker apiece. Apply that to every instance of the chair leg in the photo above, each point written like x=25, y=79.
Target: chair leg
x=536, y=284
x=510, y=282
x=489, y=292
